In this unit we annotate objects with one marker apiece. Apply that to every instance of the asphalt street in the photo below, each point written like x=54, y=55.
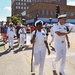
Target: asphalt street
x=18, y=61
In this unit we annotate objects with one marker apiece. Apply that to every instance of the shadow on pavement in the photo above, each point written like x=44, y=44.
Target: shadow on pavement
x=15, y=42
x=18, y=50
x=28, y=48
x=22, y=49
x=5, y=52
x=2, y=44
x=1, y=40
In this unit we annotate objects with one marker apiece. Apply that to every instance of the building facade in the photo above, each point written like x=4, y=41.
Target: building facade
x=47, y=10
x=20, y=6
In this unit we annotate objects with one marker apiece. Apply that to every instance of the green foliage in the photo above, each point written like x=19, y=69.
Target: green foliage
x=15, y=19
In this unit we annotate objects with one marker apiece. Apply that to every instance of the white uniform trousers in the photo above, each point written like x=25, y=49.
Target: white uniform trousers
x=60, y=54
x=39, y=59
x=11, y=41
x=22, y=39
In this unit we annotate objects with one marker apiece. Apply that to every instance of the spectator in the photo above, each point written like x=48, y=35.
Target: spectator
x=17, y=30
x=4, y=32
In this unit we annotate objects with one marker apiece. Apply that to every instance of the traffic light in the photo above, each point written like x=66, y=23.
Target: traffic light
x=57, y=10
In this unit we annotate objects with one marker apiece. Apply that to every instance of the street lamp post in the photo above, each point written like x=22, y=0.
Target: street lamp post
x=50, y=19
x=35, y=18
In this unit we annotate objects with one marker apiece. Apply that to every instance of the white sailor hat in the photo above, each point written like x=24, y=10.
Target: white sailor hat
x=39, y=22
x=10, y=23
x=22, y=25
x=62, y=16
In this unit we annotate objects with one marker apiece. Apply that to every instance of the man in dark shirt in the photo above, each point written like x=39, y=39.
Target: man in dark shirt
x=17, y=32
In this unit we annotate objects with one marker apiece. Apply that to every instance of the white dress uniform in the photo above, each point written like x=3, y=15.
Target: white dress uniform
x=11, y=33
x=60, y=46
x=39, y=50
x=22, y=33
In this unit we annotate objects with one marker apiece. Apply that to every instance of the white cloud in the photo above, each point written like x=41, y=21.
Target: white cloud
x=3, y=19
x=72, y=3
x=7, y=8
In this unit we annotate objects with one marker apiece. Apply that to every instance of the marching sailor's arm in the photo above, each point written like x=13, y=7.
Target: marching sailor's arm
x=61, y=33
x=46, y=43
x=68, y=43
x=33, y=38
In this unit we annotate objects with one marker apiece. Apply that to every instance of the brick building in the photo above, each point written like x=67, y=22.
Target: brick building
x=20, y=6
x=49, y=10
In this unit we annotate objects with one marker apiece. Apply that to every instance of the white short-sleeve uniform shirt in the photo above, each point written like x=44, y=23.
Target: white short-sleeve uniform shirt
x=11, y=32
x=39, y=41
x=59, y=39
x=23, y=31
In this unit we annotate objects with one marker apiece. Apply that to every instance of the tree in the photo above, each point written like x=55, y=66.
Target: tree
x=15, y=19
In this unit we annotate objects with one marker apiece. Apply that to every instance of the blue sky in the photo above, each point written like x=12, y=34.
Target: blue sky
x=5, y=8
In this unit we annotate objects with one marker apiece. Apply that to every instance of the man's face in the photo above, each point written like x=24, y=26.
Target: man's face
x=39, y=26
x=11, y=25
x=63, y=20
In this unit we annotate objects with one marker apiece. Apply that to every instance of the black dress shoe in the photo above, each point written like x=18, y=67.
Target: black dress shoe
x=54, y=72
x=60, y=73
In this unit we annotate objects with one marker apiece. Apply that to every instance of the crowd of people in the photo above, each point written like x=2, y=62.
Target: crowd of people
x=9, y=32
x=39, y=37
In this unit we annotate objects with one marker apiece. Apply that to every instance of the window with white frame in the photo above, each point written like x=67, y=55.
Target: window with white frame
x=28, y=0
x=17, y=3
x=17, y=7
x=21, y=7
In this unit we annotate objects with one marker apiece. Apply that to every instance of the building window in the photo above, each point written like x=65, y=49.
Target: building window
x=38, y=1
x=21, y=0
x=17, y=0
x=27, y=7
x=44, y=12
x=21, y=3
x=17, y=7
x=49, y=12
x=34, y=1
x=68, y=13
x=72, y=14
x=62, y=12
x=28, y=0
x=24, y=0
x=21, y=7
x=40, y=12
x=17, y=3
x=24, y=7
x=24, y=4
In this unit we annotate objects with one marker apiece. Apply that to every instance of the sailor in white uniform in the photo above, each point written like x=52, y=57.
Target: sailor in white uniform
x=11, y=33
x=60, y=34
x=40, y=45
x=22, y=33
